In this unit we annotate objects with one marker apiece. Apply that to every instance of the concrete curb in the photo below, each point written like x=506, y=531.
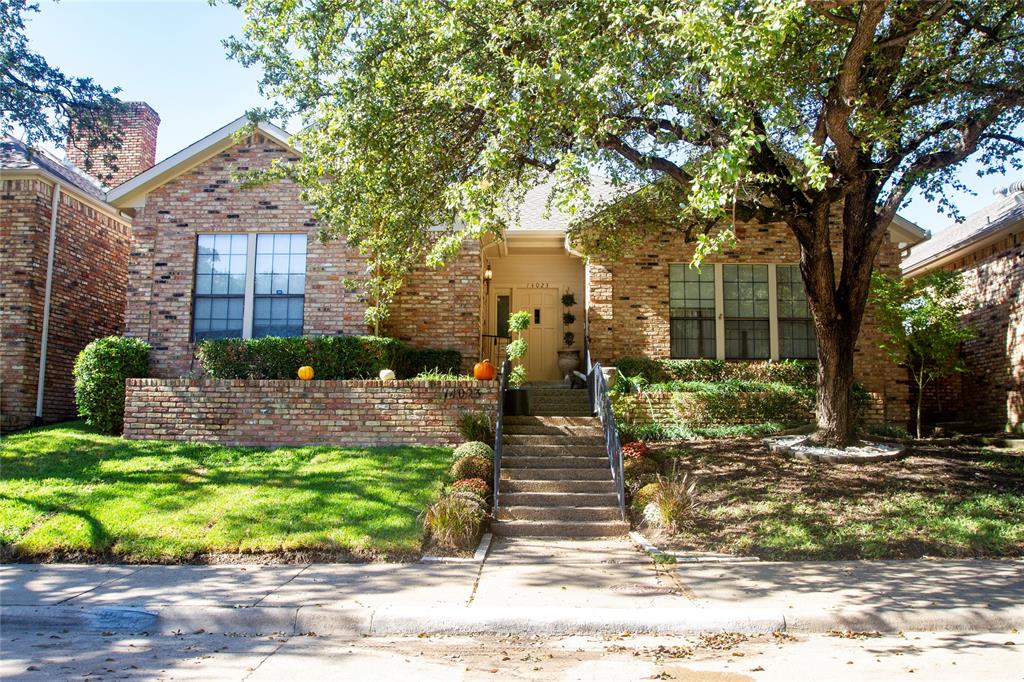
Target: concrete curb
x=686, y=557
x=439, y=619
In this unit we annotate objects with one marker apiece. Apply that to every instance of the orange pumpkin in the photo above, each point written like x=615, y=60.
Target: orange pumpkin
x=305, y=372
x=484, y=371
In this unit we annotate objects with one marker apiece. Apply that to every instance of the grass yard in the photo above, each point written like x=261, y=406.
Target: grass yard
x=69, y=493
x=943, y=502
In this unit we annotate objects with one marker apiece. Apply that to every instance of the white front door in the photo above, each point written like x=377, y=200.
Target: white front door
x=542, y=335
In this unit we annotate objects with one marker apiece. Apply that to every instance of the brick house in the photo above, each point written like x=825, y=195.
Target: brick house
x=211, y=258
x=988, y=248
x=63, y=266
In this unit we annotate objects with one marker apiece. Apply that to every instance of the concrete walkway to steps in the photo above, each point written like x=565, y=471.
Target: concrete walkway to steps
x=526, y=585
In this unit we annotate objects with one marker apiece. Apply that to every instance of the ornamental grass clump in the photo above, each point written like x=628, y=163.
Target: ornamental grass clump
x=476, y=426
x=455, y=520
x=671, y=503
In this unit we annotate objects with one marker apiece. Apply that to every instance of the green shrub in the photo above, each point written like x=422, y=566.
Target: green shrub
x=473, y=466
x=100, y=372
x=455, y=521
x=476, y=426
x=792, y=372
x=474, y=448
x=331, y=357
x=413, y=361
x=635, y=467
x=643, y=497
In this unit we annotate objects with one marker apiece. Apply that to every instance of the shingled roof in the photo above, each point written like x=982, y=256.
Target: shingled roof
x=1003, y=213
x=16, y=155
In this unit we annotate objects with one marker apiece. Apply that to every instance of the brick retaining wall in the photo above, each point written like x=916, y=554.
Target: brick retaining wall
x=285, y=412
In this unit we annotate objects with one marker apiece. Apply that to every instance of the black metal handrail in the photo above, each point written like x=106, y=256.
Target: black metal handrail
x=499, y=426
x=601, y=404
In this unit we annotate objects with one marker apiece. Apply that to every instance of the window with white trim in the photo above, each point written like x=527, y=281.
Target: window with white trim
x=747, y=327
x=797, y=339
x=691, y=295
x=249, y=285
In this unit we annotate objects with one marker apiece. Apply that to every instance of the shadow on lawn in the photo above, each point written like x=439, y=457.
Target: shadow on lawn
x=935, y=502
x=177, y=501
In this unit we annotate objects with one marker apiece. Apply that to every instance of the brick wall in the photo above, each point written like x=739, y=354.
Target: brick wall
x=282, y=413
x=87, y=300
x=138, y=126
x=990, y=395
x=206, y=199
x=442, y=306
x=629, y=306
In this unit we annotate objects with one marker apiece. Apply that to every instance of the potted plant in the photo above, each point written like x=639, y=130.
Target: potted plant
x=568, y=358
x=516, y=397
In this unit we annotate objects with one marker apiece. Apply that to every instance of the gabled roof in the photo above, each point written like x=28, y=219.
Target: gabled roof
x=16, y=155
x=191, y=156
x=1002, y=214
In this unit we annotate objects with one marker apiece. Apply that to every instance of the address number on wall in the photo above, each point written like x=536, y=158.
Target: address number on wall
x=460, y=393
x=538, y=285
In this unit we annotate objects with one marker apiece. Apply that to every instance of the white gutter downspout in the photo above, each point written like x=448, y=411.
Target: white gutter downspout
x=54, y=209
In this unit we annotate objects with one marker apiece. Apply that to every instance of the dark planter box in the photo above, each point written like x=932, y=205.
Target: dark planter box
x=517, y=402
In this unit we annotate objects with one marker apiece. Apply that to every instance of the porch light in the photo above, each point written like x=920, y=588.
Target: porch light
x=488, y=273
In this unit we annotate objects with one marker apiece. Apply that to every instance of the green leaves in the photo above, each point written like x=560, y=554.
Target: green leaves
x=100, y=371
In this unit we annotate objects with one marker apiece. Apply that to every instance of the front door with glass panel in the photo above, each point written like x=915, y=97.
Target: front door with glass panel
x=542, y=335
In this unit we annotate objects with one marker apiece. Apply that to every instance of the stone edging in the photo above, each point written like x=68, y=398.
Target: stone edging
x=793, y=446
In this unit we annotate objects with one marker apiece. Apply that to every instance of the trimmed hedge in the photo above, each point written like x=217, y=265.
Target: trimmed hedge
x=100, y=371
x=792, y=372
x=331, y=357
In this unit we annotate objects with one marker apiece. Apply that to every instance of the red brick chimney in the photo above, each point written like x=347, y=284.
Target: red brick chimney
x=138, y=124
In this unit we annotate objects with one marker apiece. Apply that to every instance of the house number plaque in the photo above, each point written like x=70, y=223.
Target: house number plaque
x=460, y=393
x=538, y=285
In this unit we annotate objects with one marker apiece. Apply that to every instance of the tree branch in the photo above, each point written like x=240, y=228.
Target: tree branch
x=646, y=161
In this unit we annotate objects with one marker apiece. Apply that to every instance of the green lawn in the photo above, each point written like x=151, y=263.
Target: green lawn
x=940, y=501
x=67, y=492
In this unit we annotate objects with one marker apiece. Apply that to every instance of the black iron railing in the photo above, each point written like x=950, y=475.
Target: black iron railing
x=492, y=346
x=499, y=427
x=601, y=404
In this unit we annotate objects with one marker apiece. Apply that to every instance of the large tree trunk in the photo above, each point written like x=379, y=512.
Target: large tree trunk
x=836, y=420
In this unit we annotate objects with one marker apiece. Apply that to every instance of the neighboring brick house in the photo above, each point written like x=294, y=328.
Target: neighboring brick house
x=63, y=267
x=988, y=248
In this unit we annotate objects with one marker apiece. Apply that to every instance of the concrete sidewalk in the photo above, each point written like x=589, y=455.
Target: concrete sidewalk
x=525, y=586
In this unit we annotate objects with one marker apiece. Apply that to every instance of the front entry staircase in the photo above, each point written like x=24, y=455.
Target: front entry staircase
x=555, y=476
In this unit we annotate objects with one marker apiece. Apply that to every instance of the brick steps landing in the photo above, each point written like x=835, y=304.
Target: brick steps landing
x=555, y=480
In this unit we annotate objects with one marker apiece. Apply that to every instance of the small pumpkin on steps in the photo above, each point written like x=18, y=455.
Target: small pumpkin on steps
x=484, y=371
x=305, y=372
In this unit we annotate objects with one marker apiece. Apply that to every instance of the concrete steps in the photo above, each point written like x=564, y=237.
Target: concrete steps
x=555, y=480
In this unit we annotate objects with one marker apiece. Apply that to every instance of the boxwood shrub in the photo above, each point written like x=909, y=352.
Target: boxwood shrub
x=792, y=372
x=100, y=371
x=331, y=357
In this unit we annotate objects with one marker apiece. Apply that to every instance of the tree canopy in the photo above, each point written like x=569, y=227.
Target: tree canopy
x=42, y=102
x=427, y=120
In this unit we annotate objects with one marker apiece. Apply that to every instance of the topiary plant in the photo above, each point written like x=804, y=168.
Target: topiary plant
x=473, y=466
x=518, y=322
x=473, y=447
x=100, y=372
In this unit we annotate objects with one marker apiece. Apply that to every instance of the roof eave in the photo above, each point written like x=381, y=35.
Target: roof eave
x=127, y=193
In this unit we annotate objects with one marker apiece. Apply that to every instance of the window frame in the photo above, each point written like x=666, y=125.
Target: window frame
x=774, y=320
x=754, y=302
x=703, y=316
x=249, y=297
x=795, y=319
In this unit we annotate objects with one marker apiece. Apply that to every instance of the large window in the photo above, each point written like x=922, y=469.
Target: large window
x=745, y=295
x=796, y=329
x=692, y=307
x=220, y=286
x=280, y=285
x=249, y=285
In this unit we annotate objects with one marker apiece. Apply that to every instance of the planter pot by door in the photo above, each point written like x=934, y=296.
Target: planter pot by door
x=568, y=361
x=517, y=402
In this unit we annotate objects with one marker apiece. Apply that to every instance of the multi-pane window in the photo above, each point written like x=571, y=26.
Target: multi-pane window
x=249, y=285
x=692, y=308
x=219, y=286
x=796, y=329
x=745, y=295
x=280, y=285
